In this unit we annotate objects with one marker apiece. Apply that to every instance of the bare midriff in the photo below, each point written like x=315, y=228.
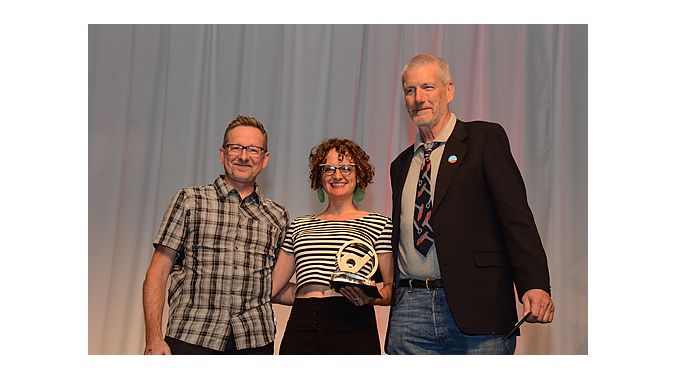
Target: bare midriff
x=316, y=291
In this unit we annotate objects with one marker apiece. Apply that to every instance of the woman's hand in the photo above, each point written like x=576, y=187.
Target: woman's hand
x=355, y=295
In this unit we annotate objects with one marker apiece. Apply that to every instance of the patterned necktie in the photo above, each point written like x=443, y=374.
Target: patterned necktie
x=423, y=204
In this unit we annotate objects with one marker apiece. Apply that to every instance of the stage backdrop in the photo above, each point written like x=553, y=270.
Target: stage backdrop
x=160, y=97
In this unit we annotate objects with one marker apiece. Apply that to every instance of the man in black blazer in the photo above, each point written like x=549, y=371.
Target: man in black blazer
x=463, y=235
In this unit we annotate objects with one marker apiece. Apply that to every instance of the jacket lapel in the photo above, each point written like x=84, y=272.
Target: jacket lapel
x=399, y=178
x=454, y=147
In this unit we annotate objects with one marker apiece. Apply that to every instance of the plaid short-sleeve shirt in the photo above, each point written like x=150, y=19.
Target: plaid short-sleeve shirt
x=222, y=282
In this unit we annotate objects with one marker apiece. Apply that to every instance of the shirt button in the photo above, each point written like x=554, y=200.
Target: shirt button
x=232, y=292
x=235, y=266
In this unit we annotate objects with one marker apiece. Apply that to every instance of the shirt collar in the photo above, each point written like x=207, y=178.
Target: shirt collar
x=224, y=191
x=442, y=137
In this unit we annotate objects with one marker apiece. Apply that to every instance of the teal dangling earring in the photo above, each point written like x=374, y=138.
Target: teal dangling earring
x=320, y=195
x=358, y=194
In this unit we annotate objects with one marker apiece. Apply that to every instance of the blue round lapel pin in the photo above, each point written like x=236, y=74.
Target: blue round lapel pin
x=452, y=159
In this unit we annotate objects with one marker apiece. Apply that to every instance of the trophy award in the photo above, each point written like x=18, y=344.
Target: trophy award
x=349, y=264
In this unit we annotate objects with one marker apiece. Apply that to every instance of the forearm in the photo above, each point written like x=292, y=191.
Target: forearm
x=387, y=270
x=386, y=293
x=154, y=292
x=287, y=295
x=283, y=291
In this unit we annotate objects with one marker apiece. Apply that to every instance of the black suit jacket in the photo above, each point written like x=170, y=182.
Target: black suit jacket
x=484, y=231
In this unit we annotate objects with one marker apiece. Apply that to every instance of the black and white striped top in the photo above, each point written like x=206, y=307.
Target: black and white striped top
x=314, y=243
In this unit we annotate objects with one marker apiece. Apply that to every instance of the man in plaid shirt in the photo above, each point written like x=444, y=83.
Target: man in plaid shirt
x=218, y=243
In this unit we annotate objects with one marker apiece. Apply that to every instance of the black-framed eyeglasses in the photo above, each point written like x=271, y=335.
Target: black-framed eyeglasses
x=346, y=169
x=236, y=149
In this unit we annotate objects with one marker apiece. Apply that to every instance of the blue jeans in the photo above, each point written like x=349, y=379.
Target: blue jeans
x=422, y=324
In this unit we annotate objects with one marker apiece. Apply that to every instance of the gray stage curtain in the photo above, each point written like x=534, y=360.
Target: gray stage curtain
x=160, y=97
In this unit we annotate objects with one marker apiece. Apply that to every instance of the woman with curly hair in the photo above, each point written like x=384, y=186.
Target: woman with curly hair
x=323, y=320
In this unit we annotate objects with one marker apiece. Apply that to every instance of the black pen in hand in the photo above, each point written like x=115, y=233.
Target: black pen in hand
x=516, y=327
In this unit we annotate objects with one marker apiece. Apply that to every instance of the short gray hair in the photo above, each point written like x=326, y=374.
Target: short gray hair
x=429, y=59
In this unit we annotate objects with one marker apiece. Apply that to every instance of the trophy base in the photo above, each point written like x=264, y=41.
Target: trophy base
x=344, y=279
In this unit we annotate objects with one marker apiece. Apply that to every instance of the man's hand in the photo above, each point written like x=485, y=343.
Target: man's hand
x=157, y=347
x=540, y=304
